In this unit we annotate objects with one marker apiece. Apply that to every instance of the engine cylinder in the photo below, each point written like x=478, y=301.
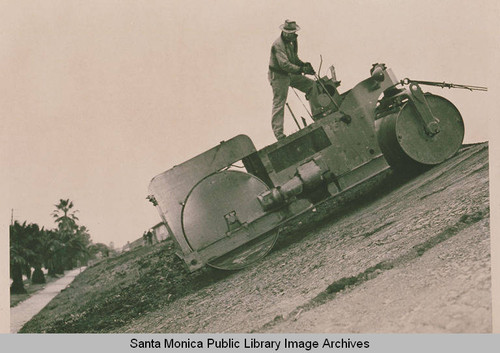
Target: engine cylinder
x=308, y=176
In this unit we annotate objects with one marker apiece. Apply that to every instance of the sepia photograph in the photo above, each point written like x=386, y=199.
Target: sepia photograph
x=249, y=167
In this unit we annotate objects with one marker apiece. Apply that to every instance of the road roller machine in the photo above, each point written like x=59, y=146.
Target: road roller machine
x=225, y=207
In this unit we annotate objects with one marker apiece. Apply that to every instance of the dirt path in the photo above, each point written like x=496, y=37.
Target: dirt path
x=447, y=289
x=23, y=312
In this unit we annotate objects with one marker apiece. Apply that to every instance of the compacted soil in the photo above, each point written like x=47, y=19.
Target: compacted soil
x=414, y=257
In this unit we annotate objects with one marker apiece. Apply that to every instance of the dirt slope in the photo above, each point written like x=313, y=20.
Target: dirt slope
x=416, y=259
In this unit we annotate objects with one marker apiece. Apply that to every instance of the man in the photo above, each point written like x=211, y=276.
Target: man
x=286, y=69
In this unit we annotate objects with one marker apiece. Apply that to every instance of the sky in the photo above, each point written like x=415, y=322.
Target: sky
x=98, y=97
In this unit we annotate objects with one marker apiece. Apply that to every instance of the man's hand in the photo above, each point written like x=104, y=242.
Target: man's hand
x=308, y=69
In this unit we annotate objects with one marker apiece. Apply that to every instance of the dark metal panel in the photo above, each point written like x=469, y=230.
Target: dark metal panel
x=351, y=133
x=171, y=188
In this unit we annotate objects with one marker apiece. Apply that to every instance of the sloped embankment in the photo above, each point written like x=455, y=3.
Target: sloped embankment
x=413, y=258
x=113, y=292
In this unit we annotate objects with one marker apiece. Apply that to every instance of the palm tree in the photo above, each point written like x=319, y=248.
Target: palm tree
x=26, y=252
x=85, y=241
x=65, y=215
x=20, y=254
x=34, y=243
x=65, y=218
x=74, y=239
x=52, y=253
x=76, y=247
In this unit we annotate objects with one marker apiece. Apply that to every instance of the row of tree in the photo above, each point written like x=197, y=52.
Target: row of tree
x=56, y=250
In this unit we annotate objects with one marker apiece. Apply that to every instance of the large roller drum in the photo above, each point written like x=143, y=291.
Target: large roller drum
x=405, y=142
x=222, y=205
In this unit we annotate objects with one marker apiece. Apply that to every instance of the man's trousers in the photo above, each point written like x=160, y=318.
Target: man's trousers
x=280, y=83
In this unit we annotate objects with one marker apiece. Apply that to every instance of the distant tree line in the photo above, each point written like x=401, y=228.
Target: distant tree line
x=63, y=248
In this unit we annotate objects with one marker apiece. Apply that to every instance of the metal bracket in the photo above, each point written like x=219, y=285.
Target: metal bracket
x=192, y=260
x=430, y=122
x=232, y=221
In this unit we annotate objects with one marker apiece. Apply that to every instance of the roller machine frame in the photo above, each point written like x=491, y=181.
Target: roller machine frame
x=227, y=218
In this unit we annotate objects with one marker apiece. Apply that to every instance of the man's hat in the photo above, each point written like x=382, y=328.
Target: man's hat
x=289, y=27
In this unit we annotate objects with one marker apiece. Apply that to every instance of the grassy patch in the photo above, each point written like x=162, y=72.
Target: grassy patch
x=369, y=273
x=118, y=290
x=463, y=222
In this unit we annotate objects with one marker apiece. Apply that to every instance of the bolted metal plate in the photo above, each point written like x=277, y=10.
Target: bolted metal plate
x=403, y=139
x=220, y=206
